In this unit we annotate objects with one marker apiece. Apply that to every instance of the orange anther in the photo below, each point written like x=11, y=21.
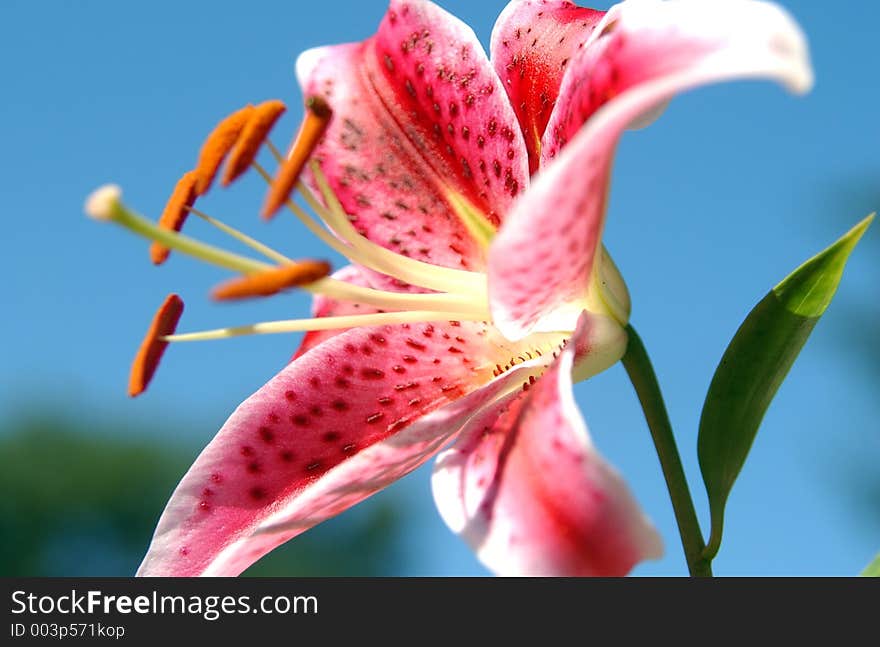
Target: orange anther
x=264, y=284
x=313, y=127
x=252, y=137
x=218, y=144
x=147, y=359
x=175, y=213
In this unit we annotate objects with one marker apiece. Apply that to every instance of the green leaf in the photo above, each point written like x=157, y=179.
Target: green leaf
x=754, y=366
x=872, y=569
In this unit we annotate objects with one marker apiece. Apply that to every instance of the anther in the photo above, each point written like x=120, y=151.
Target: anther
x=313, y=127
x=251, y=138
x=263, y=284
x=218, y=144
x=150, y=352
x=175, y=213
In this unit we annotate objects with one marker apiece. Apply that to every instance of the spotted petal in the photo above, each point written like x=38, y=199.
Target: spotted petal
x=324, y=306
x=333, y=427
x=530, y=494
x=421, y=126
x=642, y=53
x=532, y=43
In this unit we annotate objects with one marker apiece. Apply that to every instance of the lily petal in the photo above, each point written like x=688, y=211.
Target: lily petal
x=642, y=53
x=421, y=127
x=333, y=427
x=532, y=44
x=530, y=494
x=645, y=51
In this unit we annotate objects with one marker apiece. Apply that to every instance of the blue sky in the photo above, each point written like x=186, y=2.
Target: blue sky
x=733, y=187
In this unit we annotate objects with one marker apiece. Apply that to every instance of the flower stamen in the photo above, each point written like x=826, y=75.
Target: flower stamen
x=451, y=303
x=264, y=284
x=320, y=323
x=314, y=124
x=105, y=204
x=175, y=213
x=344, y=291
x=217, y=146
x=243, y=238
x=366, y=253
x=154, y=344
x=324, y=236
x=251, y=138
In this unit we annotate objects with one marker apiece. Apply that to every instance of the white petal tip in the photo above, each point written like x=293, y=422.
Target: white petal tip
x=802, y=83
x=306, y=63
x=789, y=46
x=799, y=79
x=102, y=202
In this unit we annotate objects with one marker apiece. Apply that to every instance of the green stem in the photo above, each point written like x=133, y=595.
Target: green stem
x=641, y=374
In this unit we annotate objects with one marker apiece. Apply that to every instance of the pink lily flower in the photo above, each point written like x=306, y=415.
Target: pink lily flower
x=469, y=194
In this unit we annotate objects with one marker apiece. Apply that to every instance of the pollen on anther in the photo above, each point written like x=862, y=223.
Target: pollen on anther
x=175, y=212
x=313, y=127
x=251, y=138
x=152, y=348
x=263, y=284
x=217, y=146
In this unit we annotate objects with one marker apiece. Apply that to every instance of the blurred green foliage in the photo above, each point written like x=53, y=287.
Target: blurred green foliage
x=83, y=501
